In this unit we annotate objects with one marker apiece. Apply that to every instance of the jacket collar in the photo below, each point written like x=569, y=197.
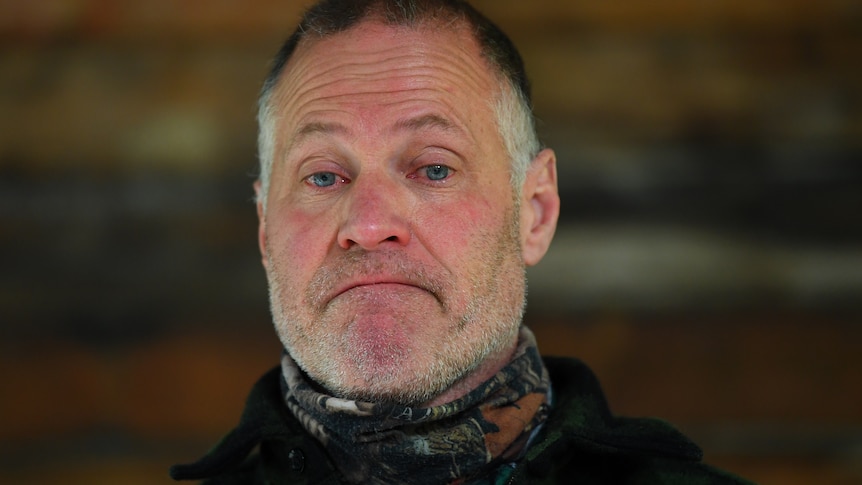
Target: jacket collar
x=580, y=420
x=264, y=419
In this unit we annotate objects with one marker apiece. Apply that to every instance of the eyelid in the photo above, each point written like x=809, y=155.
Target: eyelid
x=430, y=157
x=318, y=164
x=414, y=175
x=338, y=179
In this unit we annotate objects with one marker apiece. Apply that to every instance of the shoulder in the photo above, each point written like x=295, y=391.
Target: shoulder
x=268, y=446
x=583, y=442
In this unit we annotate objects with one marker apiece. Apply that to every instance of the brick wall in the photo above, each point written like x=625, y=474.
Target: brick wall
x=711, y=240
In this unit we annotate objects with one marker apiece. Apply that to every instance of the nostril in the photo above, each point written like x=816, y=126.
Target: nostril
x=392, y=238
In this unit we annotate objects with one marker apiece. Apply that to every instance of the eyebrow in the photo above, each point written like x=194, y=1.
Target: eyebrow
x=425, y=121
x=408, y=124
x=315, y=128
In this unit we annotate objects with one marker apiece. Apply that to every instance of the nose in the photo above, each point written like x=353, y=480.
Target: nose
x=376, y=215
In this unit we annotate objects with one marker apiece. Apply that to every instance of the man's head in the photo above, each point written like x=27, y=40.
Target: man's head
x=395, y=223
x=512, y=103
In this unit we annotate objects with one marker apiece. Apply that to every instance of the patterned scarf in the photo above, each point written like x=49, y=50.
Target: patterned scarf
x=452, y=443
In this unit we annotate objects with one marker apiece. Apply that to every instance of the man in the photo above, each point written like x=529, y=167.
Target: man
x=402, y=192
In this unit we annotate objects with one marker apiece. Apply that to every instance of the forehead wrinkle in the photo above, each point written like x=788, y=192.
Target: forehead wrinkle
x=317, y=114
x=412, y=85
x=382, y=81
x=457, y=67
x=311, y=83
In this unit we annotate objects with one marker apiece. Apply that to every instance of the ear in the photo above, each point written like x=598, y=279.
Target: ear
x=261, y=222
x=540, y=206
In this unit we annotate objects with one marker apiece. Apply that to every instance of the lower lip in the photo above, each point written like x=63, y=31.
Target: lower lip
x=379, y=297
x=384, y=286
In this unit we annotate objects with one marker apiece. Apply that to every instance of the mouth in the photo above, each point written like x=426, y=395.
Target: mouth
x=383, y=284
x=381, y=276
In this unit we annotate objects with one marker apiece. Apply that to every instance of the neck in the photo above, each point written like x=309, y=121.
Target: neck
x=487, y=369
x=491, y=418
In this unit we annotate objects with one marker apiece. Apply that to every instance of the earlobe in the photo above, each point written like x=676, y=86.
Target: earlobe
x=540, y=207
x=261, y=223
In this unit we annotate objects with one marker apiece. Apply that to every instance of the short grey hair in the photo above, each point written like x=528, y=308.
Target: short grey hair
x=512, y=104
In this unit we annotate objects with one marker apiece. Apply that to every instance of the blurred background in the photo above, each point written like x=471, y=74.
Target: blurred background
x=708, y=264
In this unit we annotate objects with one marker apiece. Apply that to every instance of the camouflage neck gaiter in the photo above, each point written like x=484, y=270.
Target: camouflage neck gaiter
x=452, y=443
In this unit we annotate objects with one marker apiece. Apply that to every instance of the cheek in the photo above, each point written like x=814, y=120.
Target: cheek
x=457, y=231
x=296, y=239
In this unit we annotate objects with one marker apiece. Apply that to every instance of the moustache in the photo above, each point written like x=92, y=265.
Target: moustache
x=348, y=269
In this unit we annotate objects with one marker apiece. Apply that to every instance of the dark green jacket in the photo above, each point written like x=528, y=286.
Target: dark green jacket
x=581, y=443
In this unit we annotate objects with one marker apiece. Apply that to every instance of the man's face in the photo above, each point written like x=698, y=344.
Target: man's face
x=391, y=236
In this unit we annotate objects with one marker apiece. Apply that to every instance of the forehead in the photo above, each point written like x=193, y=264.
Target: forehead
x=382, y=65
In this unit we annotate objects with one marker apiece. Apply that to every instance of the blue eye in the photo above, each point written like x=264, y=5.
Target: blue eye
x=437, y=172
x=323, y=179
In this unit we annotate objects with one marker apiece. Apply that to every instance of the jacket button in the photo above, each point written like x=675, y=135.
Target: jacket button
x=296, y=460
